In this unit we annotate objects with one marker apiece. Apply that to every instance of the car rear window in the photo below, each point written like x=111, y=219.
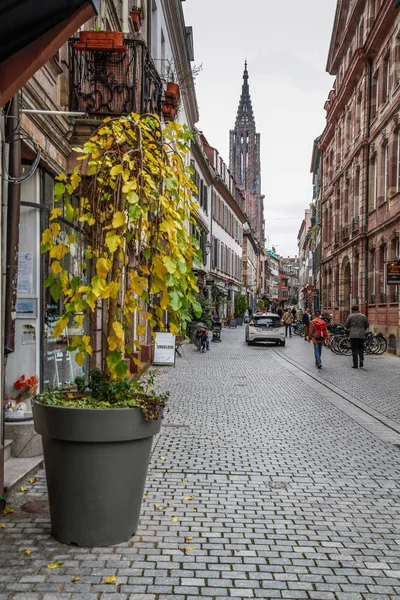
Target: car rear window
x=267, y=321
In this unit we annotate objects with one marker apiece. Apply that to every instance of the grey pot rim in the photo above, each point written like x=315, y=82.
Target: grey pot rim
x=89, y=410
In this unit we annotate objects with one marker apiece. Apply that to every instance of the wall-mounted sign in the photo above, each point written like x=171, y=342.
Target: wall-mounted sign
x=393, y=273
x=26, y=308
x=164, y=351
x=25, y=273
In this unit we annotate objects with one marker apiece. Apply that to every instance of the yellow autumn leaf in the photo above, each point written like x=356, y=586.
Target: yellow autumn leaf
x=163, y=458
x=118, y=329
x=2, y=526
x=8, y=511
x=188, y=548
x=119, y=220
x=164, y=301
x=55, y=229
x=60, y=326
x=23, y=489
x=26, y=552
x=112, y=342
x=140, y=329
x=189, y=498
x=116, y=170
x=56, y=267
x=79, y=320
x=80, y=358
x=188, y=538
x=170, y=473
x=75, y=579
x=137, y=362
x=33, y=480
x=174, y=519
x=59, y=251
x=174, y=329
x=103, y=265
x=47, y=237
x=54, y=213
x=110, y=579
x=158, y=507
x=55, y=565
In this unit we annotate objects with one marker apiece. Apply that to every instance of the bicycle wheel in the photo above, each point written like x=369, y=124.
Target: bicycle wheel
x=345, y=346
x=382, y=344
x=335, y=342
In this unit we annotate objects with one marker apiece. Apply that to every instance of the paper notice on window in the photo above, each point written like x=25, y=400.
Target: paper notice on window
x=25, y=273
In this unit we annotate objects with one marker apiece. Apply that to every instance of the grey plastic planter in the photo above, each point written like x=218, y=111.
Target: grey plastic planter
x=96, y=464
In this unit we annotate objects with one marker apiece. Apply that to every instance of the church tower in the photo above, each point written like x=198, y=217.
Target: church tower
x=244, y=159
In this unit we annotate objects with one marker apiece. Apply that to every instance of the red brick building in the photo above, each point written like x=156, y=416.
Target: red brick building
x=360, y=199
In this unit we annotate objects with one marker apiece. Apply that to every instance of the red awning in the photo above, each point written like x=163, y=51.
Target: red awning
x=25, y=49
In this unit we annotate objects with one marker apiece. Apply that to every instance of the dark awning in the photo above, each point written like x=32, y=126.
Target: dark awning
x=31, y=32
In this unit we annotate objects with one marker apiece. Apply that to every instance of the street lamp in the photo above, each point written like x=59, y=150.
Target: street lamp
x=207, y=246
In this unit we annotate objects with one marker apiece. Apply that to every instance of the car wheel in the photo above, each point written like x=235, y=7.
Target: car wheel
x=249, y=343
x=283, y=343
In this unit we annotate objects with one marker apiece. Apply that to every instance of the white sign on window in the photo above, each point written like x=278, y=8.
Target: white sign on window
x=164, y=352
x=25, y=272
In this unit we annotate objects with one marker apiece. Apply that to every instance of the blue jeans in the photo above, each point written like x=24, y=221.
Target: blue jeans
x=317, y=353
x=288, y=328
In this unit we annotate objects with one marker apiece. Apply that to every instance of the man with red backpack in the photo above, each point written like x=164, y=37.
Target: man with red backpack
x=317, y=333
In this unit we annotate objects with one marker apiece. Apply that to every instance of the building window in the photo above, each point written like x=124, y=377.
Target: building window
x=356, y=202
x=373, y=184
x=358, y=115
x=386, y=172
x=398, y=163
x=386, y=78
x=375, y=94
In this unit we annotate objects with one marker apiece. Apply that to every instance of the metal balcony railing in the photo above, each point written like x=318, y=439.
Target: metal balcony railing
x=337, y=238
x=395, y=296
x=345, y=232
x=114, y=83
x=383, y=298
x=355, y=224
x=372, y=299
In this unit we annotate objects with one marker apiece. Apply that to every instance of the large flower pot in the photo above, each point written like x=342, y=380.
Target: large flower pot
x=96, y=464
x=101, y=41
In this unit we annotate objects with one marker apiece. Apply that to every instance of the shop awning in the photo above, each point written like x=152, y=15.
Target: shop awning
x=31, y=32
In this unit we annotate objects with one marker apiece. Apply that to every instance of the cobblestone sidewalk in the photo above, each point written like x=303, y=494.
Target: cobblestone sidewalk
x=265, y=490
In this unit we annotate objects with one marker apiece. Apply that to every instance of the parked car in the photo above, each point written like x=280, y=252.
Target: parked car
x=265, y=327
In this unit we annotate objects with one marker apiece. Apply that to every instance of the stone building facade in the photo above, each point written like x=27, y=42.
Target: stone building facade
x=361, y=158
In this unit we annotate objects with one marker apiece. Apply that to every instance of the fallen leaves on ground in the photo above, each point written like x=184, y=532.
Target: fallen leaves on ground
x=2, y=526
x=8, y=511
x=158, y=507
x=110, y=579
x=55, y=565
x=33, y=480
x=170, y=473
x=23, y=489
x=174, y=519
x=26, y=552
x=188, y=498
x=75, y=579
x=163, y=458
x=188, y=548
x=188, y=538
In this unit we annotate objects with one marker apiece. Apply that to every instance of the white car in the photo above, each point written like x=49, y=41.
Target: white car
x=265, y=327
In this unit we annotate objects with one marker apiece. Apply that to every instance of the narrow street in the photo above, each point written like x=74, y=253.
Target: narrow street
x=267, y=481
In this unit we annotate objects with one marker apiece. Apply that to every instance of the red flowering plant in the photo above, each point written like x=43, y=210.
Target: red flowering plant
x=27, y=387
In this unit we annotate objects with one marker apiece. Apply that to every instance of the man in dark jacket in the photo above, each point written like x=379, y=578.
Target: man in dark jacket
x=358, y=324
x=306, y=323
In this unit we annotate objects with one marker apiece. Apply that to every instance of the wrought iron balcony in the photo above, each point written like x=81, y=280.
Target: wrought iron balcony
x=372, y=299
x=383, y=298
x=355, y=225
x=337, y=238
x=345, y=232
x=395, y=296
x=114, y=83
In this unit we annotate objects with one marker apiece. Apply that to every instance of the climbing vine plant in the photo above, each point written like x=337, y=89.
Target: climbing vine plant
x=132, y=197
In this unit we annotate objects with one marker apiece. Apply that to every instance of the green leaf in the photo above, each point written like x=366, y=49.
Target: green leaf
x=49, y=281
x=134, y=211
x=112, y=241
x=170, y=184
x=59, y=189
x=174, y=301
x=56, y=290
x=88, y=254
x=69, y=211
x=75, y=281
x=132, y=198
x=197, y=308
x=169, y=264
x=113, y=358
x=121, y=369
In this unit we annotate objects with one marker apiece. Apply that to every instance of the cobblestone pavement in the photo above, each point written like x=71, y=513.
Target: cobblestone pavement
x=282, y=494
x=377, y=384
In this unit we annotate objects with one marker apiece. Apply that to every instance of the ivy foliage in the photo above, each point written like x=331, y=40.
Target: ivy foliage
x=133, y=199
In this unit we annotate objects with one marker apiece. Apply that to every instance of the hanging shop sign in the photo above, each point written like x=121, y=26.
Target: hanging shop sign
x=393, y=273
x=164, y=351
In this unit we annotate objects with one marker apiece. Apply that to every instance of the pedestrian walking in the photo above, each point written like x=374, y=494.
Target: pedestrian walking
x=357, y=324
x=294, y=312
x=317, y=334
x=279, y=312
x=306, y=322
x=288, y=320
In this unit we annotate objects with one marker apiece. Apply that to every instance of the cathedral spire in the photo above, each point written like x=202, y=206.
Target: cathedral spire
x=245, y=110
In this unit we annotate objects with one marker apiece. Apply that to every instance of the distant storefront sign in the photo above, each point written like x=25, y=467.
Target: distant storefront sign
x=393, y=273
x=164, y=352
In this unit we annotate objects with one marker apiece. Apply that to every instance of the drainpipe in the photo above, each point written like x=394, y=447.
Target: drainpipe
x=367, y=170
x=13, y=223
x=321, y=191
x=148, y=20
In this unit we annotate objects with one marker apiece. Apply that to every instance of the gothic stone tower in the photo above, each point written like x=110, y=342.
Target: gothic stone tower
x=244, y=161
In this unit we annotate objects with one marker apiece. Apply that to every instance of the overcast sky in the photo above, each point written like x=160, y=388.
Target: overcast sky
x=286, y=44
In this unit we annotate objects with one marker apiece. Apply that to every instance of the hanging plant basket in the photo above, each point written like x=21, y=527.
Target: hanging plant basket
x=169, y=112
x=137, y=19
x=173, y=89
x=101, y=41
x=171, y=99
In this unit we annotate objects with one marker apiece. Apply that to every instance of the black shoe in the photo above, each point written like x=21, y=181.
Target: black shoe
x=354, y=367
x=361, y=364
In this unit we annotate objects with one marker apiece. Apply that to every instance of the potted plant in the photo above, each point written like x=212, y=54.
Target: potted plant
x=137, y=17
x=169, y=112
x=240, y=307
x=101, y=41
x=132, y=199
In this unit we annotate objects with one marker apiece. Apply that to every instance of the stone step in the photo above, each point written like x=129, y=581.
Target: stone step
x=17, y=470
x=7, y=449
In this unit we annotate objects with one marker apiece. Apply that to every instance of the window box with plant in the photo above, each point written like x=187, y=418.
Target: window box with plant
x=133, y=197
x=101, y=41
x=137, y=17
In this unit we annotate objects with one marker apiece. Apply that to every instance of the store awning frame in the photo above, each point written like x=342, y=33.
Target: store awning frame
x=32, y=32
